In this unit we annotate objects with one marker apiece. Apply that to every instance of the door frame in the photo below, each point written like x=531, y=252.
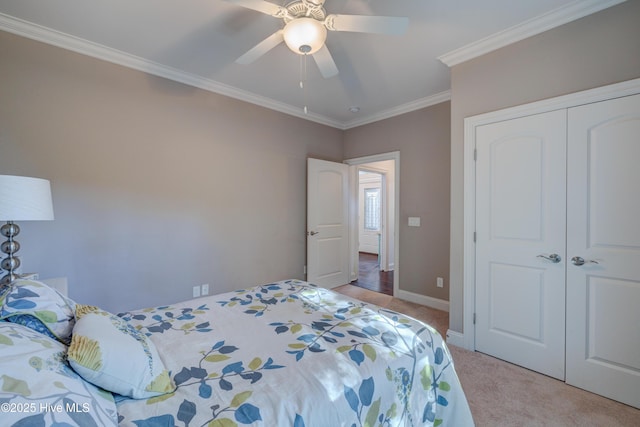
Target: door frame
x=353, y=208
x=466, y=339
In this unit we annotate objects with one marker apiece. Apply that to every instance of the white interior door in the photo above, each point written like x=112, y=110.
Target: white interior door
x=520, y=219
x=603, y=294
x=327, y=223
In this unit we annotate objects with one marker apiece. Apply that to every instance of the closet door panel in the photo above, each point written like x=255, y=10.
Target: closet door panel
x=603, y=234
x=520, y=219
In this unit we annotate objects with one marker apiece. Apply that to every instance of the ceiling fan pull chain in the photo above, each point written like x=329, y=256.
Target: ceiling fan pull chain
x=303, y=78
x=301, y=72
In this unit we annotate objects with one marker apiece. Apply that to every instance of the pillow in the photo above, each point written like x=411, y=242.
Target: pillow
x=110, y=353
x=39, y=307
x=37, y=386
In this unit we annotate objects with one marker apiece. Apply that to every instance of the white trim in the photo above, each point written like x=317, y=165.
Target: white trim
x=455, y=338
x=438, y=304
x=85, y=47
x=617, y=90
x=395, y=156
x=401, y=109
x=95, y=50
x=560, y=16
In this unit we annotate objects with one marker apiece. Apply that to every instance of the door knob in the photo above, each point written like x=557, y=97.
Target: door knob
x=313, y=233
x=555, y=258
x=578, y=260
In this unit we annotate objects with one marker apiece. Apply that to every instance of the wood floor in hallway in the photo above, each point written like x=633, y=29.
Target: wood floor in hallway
x=370, y=277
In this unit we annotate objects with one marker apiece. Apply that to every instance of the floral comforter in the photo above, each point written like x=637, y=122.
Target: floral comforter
x=293, y=354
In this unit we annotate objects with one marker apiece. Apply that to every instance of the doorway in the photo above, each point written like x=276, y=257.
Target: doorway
x=373, y=218
x=373, y=271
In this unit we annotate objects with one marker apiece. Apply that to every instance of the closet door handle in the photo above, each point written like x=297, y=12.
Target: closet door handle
x=554, y=258
x=313, y=233
x=578, y=260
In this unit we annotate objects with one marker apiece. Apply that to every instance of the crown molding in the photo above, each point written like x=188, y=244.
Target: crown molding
x=85, y=47
x=557, y=17
x=401, y=109
x=560, y=16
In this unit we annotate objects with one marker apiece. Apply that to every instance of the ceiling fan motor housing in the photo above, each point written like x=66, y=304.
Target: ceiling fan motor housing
x=309, y=8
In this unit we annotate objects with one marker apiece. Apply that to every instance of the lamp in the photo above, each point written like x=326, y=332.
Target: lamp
x=21, y=199
x=305, y=36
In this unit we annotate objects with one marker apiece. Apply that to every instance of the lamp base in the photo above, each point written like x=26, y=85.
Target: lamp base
x=7, y=279
x=9, y=247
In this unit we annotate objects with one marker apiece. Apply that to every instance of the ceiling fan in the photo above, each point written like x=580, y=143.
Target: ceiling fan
x=305, y=29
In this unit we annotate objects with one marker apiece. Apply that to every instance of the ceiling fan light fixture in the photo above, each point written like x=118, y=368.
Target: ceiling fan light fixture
x=305, y=36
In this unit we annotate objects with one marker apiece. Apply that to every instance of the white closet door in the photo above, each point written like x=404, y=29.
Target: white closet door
x=521, y=217
x=603, y=229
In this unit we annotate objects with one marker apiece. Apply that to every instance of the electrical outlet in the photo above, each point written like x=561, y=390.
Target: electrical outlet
x=205, y=289
x=196, y=291
x=440, y=282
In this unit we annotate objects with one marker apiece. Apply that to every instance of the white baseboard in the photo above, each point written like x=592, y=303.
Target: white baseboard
x=455, y=338
x=438, y=304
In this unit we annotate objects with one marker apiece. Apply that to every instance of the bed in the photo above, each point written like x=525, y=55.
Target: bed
x=279, y=354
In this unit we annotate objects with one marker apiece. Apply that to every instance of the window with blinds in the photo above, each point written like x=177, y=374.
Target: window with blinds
x=372, y=209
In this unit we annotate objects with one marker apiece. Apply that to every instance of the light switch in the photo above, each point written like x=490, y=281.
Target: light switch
x=414, y=221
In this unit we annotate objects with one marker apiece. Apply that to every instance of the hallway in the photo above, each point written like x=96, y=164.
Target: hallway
x=370, y=277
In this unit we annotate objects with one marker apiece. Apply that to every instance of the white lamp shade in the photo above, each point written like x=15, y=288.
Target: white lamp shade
x=305, y=32
x=25, y=199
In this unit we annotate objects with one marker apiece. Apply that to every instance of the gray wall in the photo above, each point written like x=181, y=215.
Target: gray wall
x=422, y=137
x=157, y=186
x=594, y=51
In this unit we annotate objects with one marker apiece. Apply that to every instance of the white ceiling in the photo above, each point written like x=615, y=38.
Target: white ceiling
x=197, y=41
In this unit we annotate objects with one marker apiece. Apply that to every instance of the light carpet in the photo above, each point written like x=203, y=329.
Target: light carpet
x=503, y=394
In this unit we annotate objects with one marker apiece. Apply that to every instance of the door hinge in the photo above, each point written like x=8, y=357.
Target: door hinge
x=474, y=237
x=475, y=154
x=474, y=318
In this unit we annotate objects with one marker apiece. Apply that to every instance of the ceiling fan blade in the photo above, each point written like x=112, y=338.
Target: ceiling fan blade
x=261, y=48
x=367, y=24
x=325, y=62
x=262, y=6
